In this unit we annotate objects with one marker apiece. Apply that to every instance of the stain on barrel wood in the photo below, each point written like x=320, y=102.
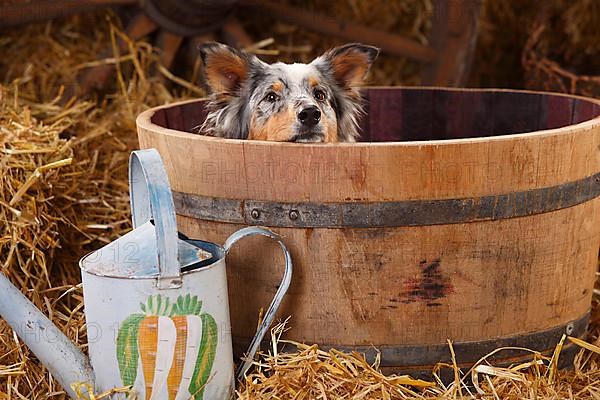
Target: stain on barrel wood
x=468, y=215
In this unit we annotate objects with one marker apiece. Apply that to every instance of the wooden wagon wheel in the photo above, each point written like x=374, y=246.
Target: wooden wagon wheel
x=446, y=61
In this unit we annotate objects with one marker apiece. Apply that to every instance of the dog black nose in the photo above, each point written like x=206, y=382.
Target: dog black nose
x=310, y=116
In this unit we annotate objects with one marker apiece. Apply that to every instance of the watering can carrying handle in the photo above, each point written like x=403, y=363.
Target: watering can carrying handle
x=285, y=284
x=151, y=199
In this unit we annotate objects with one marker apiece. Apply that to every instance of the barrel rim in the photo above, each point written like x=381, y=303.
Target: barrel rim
x=143, y=121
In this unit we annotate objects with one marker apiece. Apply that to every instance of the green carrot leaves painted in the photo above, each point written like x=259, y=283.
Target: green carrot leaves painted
x=188, y=305
x=206, y=357
x=127, y=349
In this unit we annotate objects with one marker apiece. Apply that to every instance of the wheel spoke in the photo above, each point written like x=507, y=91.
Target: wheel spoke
x=235, y=35
x=168, y=43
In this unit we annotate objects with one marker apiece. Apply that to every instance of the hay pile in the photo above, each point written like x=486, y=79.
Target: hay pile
x=63, y=170
x=311, y=373
x=563, y=50
x=63, y=192
x=551, y=45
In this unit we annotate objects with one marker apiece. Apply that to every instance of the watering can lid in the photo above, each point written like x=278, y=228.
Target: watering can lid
x=135, y=255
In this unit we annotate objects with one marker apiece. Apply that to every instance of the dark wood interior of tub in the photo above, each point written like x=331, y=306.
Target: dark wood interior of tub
x=394, y=114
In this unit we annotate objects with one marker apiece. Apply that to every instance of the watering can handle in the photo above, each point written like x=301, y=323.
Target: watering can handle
x=151, y=199
x=275, y=303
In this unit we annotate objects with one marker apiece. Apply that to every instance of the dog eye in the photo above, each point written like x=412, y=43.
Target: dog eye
x=271, y=97
x=319, y=94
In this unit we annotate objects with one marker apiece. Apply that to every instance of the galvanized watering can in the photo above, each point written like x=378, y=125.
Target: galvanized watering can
x=156, y=306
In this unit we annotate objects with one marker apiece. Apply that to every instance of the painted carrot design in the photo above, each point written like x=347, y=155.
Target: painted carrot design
x=176, y=372
x=148, y=337
x=190, y=305
x=195, y=345
x=148, y=344
x=206, y=357
x=127, y=348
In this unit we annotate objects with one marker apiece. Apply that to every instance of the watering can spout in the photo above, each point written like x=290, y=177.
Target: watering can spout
x=67, y=364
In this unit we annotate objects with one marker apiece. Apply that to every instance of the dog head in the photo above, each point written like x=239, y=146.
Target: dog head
x=316, y=102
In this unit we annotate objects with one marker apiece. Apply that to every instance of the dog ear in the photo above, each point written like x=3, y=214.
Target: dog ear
x=225, y=67
x=348, y=64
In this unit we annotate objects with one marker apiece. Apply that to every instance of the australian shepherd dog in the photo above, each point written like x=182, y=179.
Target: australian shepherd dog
x=317, y=102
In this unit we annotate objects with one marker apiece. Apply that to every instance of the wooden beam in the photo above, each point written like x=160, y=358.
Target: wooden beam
x=235, y=35
x=41, y=10
x=388, y=42
x=168, y=43
x=454, y=36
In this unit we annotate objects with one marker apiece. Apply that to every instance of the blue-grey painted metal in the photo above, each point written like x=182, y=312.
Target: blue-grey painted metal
x=67, y=364
x=275, y=303
x=151, y=199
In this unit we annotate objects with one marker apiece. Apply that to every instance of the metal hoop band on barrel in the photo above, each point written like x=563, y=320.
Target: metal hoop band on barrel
x=389, y=214
x=414, y=357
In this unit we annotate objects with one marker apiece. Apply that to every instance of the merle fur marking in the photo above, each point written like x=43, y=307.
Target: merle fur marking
x=251, y=99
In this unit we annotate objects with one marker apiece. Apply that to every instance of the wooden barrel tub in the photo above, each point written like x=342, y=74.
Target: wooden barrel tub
x=469, y=215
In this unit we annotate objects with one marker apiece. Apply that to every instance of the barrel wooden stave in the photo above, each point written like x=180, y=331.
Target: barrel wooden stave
x=355, y=286
x=474, y=281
